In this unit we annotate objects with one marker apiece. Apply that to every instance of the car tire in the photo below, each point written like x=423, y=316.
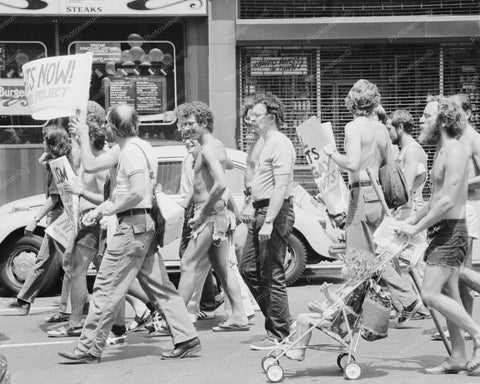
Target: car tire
x=295, y=259
x=24, y=251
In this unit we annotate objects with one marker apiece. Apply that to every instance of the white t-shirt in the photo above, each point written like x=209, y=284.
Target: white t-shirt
x=132, y=161
x=277, y=158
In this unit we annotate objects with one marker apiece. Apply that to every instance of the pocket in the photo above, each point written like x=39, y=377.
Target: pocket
x=372, y=211
x=284, y=221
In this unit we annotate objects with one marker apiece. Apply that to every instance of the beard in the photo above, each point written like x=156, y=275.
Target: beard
x=431, y=136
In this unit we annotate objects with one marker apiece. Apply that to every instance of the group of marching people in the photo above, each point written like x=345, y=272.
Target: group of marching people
x=116, y=187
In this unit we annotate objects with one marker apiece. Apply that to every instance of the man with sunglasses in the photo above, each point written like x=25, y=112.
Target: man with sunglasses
x=272, y=194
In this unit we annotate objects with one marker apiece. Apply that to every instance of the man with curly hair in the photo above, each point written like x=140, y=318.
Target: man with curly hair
x=56, y=144
x=443, y=121
x=211, y=223
x=366, y=141
x=272, y=198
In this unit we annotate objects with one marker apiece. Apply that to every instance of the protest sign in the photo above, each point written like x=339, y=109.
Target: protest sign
x=57, y=86
x=62, y=172
x=61, y=230
x=314, y=137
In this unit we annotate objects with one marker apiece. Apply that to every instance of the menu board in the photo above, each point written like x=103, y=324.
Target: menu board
x=103, y=52
x=146, y=93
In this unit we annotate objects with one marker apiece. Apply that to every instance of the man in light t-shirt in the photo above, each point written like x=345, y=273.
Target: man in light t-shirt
x=272, y=190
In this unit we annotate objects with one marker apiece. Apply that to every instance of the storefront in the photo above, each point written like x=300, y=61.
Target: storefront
x=151, y=54
x=311, y=53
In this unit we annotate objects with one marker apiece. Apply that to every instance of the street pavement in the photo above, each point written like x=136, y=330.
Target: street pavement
x=225, y=357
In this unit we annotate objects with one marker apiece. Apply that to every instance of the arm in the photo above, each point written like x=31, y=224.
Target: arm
x=219, y=182
x=76, y=188
x=411, y=161
x=474, y=182
x=46, y=207
x=353, y=147
x=76, y=155
x=452, y=186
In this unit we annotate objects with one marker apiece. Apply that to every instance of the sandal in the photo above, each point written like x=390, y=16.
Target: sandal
x=139, y=322
x=65, y=331
x=59, y=317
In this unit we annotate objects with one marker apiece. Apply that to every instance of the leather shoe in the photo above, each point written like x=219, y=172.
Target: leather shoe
x=18, y=307
x=78, y=357
x=181, y=350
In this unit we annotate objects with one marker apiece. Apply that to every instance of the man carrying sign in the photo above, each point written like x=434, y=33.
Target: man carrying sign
x=57, y=144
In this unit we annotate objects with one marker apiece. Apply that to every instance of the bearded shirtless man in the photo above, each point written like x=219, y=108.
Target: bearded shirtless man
x=444, y=216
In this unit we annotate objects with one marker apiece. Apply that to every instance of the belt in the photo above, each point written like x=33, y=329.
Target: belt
x=259, y=204
x=359, y=184
x=134, y=211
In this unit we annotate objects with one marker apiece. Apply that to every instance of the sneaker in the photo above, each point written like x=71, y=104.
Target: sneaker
x=116, y=340
x=409, y=312
x=205, y=315
x=436, y=335
x=162, y=330
x=264, y=343
x=154, y=323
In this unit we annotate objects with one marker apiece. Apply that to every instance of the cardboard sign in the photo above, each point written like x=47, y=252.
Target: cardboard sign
x=57, y=86
x=61, y=230
x=314, y=137
x=62, y=172
x=173, y=214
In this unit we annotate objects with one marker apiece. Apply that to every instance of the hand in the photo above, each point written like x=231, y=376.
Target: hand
x=329, y=149
x=315, y=306
x=72, y=187
x=77, y=130
x=247, y=212
x=406, y=230
x=30, y=228
x=92, y=217
x=107, y=208
x=196, y=221
x=324, y=287
x=265, y=232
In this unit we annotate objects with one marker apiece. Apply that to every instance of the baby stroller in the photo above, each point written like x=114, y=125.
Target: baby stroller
x=345, y=309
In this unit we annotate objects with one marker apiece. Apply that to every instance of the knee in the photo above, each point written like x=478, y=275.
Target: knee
x=429, y=297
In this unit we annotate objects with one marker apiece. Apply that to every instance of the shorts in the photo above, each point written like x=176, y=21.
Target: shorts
x=448, y=243
x=472, y=217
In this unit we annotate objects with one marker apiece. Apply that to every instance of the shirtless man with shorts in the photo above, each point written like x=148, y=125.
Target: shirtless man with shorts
x=444, y=216
x=211, y=221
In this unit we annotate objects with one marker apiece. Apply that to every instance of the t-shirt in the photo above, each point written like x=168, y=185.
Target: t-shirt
x=52, y=188
x=131, y=161
x=277, y=158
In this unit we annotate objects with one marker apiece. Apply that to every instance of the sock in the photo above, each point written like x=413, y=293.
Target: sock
x=119, y=330
x=150, y=307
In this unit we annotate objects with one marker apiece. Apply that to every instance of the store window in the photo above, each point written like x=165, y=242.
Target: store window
x=16, y=124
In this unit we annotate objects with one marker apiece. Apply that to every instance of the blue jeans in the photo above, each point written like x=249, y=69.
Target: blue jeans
x=262, y=269
x=130, y=254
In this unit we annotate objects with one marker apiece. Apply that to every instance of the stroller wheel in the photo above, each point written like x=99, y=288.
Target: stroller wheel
x=267, y=361
x=342, y=360
x=275, y=373
x=353, y=371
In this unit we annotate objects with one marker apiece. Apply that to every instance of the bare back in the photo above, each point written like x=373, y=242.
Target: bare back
x=449, y=176
x=471, y=140
x=371, y=137
x=204, y=179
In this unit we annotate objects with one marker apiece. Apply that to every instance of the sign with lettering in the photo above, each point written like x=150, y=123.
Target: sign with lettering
x=57, y=86
x=12, y=97
x=62, y=171
x=102, y=52
x=61, y=230
x=272, y=66
x=105, y=7
x=314, y=137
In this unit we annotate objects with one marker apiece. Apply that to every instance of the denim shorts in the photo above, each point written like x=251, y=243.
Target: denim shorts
x=448, y=244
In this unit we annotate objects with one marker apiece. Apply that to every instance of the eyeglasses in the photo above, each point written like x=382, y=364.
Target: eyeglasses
x=254, y=116
x=187, y=124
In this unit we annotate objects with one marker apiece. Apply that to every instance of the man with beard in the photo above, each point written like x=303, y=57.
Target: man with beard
x=444, y=216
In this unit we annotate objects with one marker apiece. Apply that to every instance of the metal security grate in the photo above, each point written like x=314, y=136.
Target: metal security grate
x=281, y=9
x=404, y=74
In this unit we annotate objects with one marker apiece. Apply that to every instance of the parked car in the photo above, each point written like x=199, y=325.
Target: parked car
x=311, y=242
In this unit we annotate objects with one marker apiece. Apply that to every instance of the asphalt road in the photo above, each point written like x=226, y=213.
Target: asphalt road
x=225, y=357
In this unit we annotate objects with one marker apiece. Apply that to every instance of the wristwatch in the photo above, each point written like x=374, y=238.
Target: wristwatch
x=268, y=221
x=36, y=220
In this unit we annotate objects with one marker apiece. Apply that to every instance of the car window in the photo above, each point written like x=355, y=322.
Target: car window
x=168, y=176
x=235, y=180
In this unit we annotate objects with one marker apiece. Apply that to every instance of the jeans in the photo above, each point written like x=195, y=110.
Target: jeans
x=130, y=254
x=48, y=259
x=365, y=214
x=262, y=269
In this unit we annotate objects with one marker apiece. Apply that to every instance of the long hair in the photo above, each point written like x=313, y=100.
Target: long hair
x=362, y=98
x=57, y=141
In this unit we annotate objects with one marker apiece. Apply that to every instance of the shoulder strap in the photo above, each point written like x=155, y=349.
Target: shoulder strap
x=150, y=170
